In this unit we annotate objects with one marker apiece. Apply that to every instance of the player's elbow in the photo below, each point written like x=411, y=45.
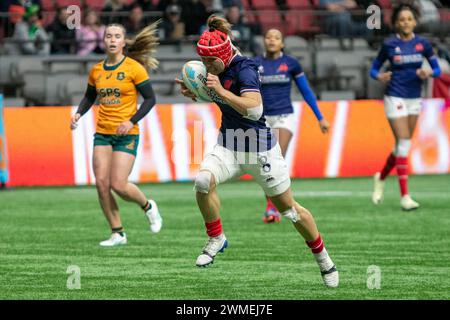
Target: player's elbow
x=254, y=113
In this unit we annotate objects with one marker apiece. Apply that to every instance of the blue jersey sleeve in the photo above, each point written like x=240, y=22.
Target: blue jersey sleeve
x=379, y=60
x=296, y=69
x=248, y=79
x=432, y=59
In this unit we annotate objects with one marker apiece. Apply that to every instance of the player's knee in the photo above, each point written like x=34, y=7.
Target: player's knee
x=402, y=147
x=204, y=182
x=119, y=187
x=102, y=184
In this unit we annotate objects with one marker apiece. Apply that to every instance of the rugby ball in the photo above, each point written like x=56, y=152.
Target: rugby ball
x=194, y=76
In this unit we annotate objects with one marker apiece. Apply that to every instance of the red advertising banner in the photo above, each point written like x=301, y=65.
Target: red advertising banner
x=42, y=150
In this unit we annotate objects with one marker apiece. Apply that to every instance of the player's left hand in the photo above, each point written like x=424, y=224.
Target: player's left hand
x=423, y=74
x=213, y=82
x=324, y=126
x=124, y=128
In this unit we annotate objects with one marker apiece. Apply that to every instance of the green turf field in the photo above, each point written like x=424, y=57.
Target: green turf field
x=45, y=230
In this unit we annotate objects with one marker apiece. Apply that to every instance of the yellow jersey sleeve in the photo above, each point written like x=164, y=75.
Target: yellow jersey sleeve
x=140, y=75
x=91, y=80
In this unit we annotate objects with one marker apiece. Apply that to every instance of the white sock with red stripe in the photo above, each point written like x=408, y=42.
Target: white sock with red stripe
x=320, y=254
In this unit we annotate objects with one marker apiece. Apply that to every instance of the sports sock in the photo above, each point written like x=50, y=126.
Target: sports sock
x=119, y=230
x=147, y=206
x=388, y=166
x=402, y=172
x=320, y=254
x=214, y=229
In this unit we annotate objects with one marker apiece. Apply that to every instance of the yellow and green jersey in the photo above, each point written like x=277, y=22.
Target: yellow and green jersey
x=116, y=88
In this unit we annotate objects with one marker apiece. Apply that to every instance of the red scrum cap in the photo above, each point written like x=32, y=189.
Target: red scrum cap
x=215, y=43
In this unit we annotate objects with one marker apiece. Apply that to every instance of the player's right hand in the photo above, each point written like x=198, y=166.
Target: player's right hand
x=184, y=90
x=74, y=120
x=385, y=77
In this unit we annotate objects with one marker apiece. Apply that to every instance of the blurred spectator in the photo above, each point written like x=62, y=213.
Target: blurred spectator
x=146, y=5
x=429, y=20
x=231, y=3
x=172, y=28
x=31, y=35
x=135, y=21
x=16, y=9
x=62, y=38
x=112, y=7
x=241, y=32
x=194, y=14
x=339, y=22
x=90, y=35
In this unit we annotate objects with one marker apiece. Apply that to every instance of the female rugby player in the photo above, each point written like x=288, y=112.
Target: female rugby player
x=402, y=101
x=246, y=145
x=278, y=70
x=117, y=80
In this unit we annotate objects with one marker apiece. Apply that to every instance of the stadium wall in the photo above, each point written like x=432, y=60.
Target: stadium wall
x=43, y=150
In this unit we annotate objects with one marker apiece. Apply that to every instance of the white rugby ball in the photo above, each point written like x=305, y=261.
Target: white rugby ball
x=194, y=76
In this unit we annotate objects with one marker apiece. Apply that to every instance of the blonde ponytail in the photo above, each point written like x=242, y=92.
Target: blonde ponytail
x=143, y=46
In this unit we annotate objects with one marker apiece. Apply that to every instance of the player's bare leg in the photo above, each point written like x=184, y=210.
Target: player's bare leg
x=209, y=205
x=304, y=223
x=122, y=164
x=403, y=129
x=102, y=167
x=284, y=137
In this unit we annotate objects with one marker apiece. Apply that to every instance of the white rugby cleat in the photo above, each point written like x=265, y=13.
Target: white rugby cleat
x=408, y=204
x=378, y=189
x=212, y=247
x=115, y=240
x=331, y=277
x=330, y=274
x=154, y=217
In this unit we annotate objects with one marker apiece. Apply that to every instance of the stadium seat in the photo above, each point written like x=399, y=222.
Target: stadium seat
x=265, y=5
x=14, y=102
x=48, y=5
x=75, y=86
x=271, y=21
x=337, y=95
x=35, y=86
x=65, y=3
x=298, y=4
x=95, y=4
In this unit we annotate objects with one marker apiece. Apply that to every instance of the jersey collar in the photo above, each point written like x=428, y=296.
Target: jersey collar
x=114, y=67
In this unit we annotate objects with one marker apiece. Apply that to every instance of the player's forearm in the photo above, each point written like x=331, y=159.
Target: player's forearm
x=308, y=95
x=87, y=101
x=149, y=101
x=375, y=70
x=240, y=104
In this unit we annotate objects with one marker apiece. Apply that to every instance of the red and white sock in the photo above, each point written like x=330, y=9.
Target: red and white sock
x=401, y=164
x=320, y=254
x=388, y=166
x=214, y=229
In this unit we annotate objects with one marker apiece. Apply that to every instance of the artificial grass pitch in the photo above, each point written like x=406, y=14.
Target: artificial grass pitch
x=43, y=231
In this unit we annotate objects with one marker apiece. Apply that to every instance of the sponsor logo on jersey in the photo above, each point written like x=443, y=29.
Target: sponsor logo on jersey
x=108, y=92
x=419, y=47
x=121, y=76
x=398, y=50
x=409, y=58
x=283, y=68
x=108, y=76
x=278, y=78
x=261, y=69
